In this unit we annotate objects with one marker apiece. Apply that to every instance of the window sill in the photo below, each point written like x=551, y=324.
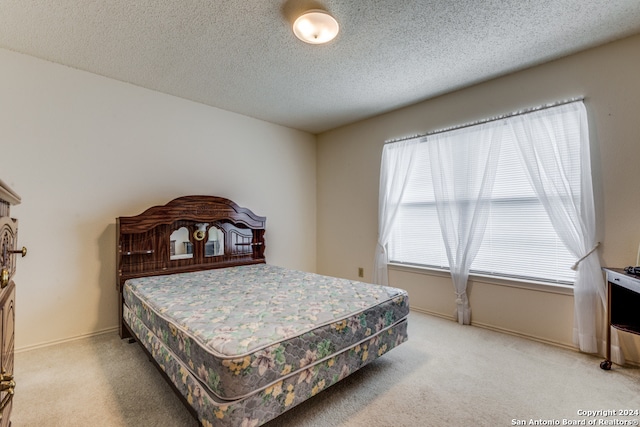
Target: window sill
x=492, y=280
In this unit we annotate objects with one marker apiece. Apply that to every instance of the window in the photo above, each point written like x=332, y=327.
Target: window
x=537, y=222
x=519, y=241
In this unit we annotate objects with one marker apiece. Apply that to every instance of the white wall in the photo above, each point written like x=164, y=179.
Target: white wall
x=348, y=174
x=81, y=149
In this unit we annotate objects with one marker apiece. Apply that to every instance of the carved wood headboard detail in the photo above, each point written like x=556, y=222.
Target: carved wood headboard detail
x=144, y=241
x=144, y=245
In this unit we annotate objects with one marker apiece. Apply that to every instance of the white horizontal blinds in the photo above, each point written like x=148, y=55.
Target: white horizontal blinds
x=519, y=241
x=416, y=236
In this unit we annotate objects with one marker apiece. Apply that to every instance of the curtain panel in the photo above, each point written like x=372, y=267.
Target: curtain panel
x=554, y=149
x=463, y=169
x=544, y=139
x=395, y=171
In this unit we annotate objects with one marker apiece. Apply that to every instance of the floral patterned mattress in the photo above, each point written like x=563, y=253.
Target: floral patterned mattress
x=264, y=405
x=242, y=330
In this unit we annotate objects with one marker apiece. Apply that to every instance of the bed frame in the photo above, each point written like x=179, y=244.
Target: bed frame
x=144, y=241
x=144, y=248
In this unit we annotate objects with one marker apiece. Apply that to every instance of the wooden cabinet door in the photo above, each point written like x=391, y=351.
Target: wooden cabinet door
x=7, y=383
x=8, y=242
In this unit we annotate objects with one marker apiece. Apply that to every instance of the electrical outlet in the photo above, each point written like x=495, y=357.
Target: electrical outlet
x=360, y=272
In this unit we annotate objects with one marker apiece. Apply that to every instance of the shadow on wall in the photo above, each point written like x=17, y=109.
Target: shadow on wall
x=107, y=304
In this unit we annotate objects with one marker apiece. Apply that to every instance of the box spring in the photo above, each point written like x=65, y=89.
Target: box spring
x=242, y=329
x=266, y=404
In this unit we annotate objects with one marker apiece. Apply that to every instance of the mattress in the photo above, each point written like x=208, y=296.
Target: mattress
x=241, y=331
x=264, y=405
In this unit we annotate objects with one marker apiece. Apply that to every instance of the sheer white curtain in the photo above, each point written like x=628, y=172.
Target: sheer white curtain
x=564, y=186
x=463, y=168
x=395, y=170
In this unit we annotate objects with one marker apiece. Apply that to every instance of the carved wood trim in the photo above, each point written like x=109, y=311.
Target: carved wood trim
x=7, y=195
x=143, y=241
x=193, y=208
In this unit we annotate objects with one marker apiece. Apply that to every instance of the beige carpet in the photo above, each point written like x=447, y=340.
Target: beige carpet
x=445, y=375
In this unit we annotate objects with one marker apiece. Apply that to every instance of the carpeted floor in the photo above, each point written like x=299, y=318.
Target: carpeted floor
x=445, y=375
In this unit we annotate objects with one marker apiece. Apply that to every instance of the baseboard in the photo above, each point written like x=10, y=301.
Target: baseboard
x=431, y=313
x=628, y=362
x=526, y=336
x=66, y=340
x=501, y=330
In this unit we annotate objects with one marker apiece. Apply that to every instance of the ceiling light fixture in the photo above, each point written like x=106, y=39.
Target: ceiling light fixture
x=316, y=27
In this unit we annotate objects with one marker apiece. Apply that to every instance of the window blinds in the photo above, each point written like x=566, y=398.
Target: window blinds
x=519, y=242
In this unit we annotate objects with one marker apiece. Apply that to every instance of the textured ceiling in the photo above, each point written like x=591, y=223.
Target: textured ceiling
x=242, y=56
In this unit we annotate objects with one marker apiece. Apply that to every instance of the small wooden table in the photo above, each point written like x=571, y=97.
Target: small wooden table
x=623, y=306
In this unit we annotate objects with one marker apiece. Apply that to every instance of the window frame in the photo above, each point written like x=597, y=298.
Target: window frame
x=430, y=205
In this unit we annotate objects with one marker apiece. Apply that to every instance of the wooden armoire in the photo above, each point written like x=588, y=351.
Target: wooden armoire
x=8, y=253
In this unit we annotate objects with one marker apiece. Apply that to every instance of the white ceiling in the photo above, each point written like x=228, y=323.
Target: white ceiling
x=242, y=56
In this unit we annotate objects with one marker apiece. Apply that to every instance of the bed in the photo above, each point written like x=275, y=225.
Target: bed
x=239, y=340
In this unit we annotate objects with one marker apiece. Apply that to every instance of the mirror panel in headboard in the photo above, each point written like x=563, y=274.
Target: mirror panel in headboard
x=187, y=234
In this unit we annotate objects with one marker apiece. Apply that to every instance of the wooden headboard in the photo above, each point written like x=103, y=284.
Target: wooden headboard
x=189, y=233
